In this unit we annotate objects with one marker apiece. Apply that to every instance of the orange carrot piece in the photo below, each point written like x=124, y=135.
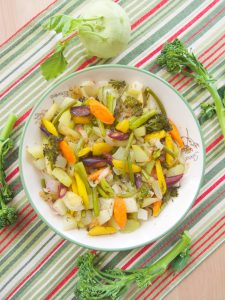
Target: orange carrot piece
x=94, y=176
x=176, y=135
x=156, y=207
x=67, y=152
x=120, y=212
x=101, y=112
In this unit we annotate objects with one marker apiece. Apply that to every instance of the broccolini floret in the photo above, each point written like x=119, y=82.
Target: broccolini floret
x=96, y=284
x=8, y=215
x=177, y=59
x=117, y=84
x=157, y=123
x=51, y=149
x=133, y=106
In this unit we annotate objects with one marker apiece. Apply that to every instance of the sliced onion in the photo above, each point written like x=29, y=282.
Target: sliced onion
x=156, y=189
x=170, y=181
x=62, y=190
x=52, y=186
x=177, y=170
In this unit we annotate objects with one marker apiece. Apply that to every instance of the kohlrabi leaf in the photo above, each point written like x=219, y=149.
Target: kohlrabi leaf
x=62, y=24
x=181, y=260
x=55, y=64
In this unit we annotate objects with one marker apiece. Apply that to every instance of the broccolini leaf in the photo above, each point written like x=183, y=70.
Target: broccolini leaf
x=207, y=113
x=181, y=260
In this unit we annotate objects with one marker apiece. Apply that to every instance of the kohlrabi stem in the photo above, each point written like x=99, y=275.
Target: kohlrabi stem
x=220, y=109
x=6, y=131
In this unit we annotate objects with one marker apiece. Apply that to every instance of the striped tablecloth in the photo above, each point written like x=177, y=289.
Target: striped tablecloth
x=35, y=263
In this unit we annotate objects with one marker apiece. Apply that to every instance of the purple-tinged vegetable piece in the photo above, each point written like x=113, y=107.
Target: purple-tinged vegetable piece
x=108, y=158
x=117, y=135
x=97, y=162
x=138, y=180
x=62, y=190
x=80, y=111
x=170, y=181
x=48, y=134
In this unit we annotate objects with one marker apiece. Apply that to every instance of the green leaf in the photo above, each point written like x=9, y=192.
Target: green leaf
x=181, y=261
x=62, y=24
x=54, y=65
x=221, y=92
x=208, y=112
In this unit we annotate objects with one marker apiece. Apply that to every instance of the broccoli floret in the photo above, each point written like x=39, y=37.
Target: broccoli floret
x=157, y=123
x=51, y=149
x=8, y=215
x=133, y=106
x=117, y=84
x=144, y=191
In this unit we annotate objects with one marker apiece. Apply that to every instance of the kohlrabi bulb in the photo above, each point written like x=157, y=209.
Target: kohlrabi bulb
x=109, y=35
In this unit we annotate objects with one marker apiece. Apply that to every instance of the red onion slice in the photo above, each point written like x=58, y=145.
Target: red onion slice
x=170, y=181
x=117, y=135
x=80, y=111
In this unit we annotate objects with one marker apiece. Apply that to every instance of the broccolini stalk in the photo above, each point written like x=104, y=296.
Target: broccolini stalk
x=176, y=58
x=95, y=284
x=136, y=122
x=8, y=215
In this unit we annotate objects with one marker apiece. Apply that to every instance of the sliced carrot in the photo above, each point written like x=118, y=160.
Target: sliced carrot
x=94, y=176
x=156, y=208
x=176, y=135
x=120, y=212
x=67, y=152
x=101, y=112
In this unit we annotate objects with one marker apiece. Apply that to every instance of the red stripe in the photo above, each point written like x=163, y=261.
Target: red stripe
x=209, y=190
x=83, y=65
x=35, y=269
x=13, y=173
x=18, y=232
x=218, y=56
x=214, y=143
x=16, y=187
x=20, y=213
x=86, y=63
x=22, y=118
x=149, y=13
x=16, y=226
x=206, y=24
x=202, y=252
x=195, y=243
x=178, y=32
x=213, y=53
x=212, y=46
x=61, y=284
x=26, y=73
x=25, y=25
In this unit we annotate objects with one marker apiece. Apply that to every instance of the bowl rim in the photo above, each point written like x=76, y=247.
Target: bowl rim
x=49, y=90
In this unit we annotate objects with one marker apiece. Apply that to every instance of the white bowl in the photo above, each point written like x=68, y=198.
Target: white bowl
x=178, y=110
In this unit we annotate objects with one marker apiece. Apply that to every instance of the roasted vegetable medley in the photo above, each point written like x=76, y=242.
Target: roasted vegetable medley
x=110, y=157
